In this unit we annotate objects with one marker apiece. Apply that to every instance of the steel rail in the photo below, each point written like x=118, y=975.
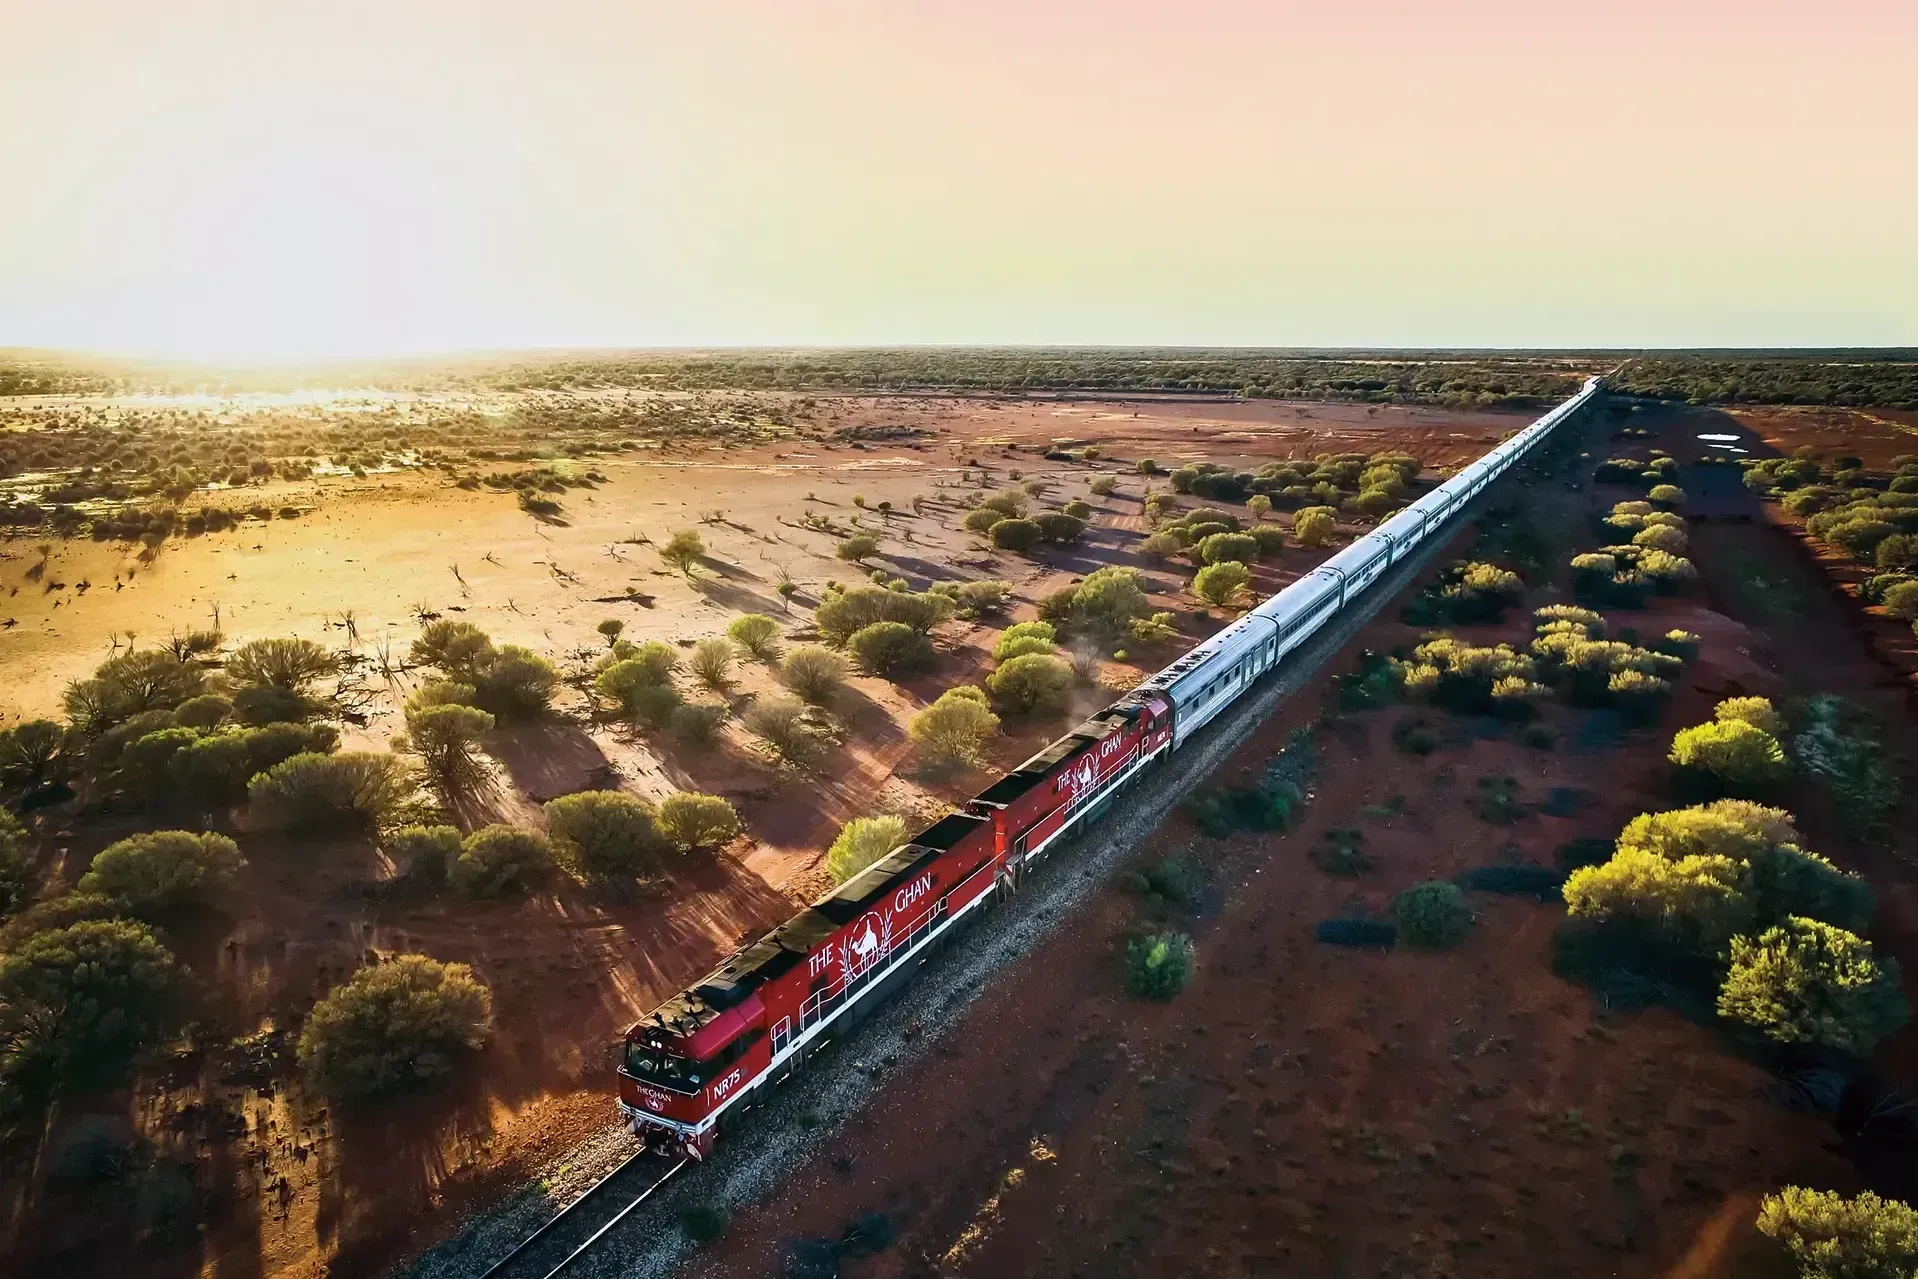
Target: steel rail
x=498, y=1267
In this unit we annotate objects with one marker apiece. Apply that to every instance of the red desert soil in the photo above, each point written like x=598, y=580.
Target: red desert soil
x=298, y=1191
x=1301, y=1109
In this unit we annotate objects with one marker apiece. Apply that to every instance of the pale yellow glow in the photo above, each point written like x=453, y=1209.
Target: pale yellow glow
x=267, y=180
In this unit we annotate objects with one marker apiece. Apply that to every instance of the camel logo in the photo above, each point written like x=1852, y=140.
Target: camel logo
x=868, y=946
x=1083, y=775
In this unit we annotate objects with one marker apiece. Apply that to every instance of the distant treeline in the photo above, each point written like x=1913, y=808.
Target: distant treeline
x=1876, y=378
x=1516, y=380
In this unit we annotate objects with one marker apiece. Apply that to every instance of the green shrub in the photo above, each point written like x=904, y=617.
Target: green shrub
x=890, y=649
x=683, y=551
x=816, y=674
x=1315, y=526
x=161, y=870
x=515, y=681
x=1158, y=966
x=1901, y=600
x=77, y=1003
x=288, y=664
x=92, y=1153
x=452, y=647
x=1832, y=1237
x=496, y=860
x=1101, y=607
x=954, y=728
x=861, y=842
x=1432, y=915
x=858, y=548
x=446, y=738
x=424, y=854
x=1224, y=548
x=1079, y=511
x=1057, y=527
x=843, y=613
x=312, y=792
x=394, y=1027
x=1806, y=982
x=698, y=723
x=692, y=821
x=981, y=520
x=1667, y=495
x=262, y=704
x=1015, y=535
x=1342, y=853
x=1222, y=810
x=1741, y=757
x=604, y=832
x=1030, y=684
x=757, y=634
x=1104, y=486
x=984, y=598
x=203, y=712
x=1219, y=584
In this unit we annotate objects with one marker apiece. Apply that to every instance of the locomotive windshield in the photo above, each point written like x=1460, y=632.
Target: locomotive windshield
x=655, y=1065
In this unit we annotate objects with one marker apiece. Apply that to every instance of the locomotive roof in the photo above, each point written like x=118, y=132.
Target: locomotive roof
x=753, y=965
x=1046, y=762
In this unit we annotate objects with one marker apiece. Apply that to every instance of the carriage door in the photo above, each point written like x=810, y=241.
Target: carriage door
x=782, y=1034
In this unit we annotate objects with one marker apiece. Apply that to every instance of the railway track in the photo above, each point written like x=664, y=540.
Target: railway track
x=578, y=1228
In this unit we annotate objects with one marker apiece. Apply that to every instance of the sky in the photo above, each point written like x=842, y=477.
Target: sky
x=265, y=180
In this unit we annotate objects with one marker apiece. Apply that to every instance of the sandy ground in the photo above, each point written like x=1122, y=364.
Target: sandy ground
x=291, y=1189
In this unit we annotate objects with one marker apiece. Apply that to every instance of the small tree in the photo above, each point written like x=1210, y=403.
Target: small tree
x=496, y=860
x=452, y=647
x=289, y=664
x=863, y=841
x=789, y=727
x=691, y=821
x=858, y=548
x=394, y=1027
x=1015, y=535
x=610, y=630
x=325, y=792
x=1806, y=982
x=1433, y=915
x=1315, y=526
x=446, y=738
x=757, y=634
x=161, y=870
x=1258, y=506
x=606, y=832
x=1032, y=683
x=515, y=681
x=1219, y=584
x=1832, y=1237
x=1158, y=966
x=712, y=663
x=816, y=674
x=1740, y=756
x=890, y=649
x=683, y=551
x=952, y=730
x=78, y=1002
x=34, y=753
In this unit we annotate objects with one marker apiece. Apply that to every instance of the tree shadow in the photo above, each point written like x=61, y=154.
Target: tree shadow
x=550, y=757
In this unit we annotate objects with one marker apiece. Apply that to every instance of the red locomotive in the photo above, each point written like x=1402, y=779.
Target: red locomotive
x=705, y=1053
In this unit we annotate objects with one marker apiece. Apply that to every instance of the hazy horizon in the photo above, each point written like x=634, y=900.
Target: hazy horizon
x=220, y=182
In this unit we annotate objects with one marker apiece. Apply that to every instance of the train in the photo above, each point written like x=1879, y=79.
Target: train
x=703, y=1057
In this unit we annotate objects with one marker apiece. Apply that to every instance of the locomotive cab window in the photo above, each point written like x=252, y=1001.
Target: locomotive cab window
x=655, y=1065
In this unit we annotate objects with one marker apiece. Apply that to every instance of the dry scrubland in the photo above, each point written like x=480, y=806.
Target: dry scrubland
x=1573, y=919
x=356, y=660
